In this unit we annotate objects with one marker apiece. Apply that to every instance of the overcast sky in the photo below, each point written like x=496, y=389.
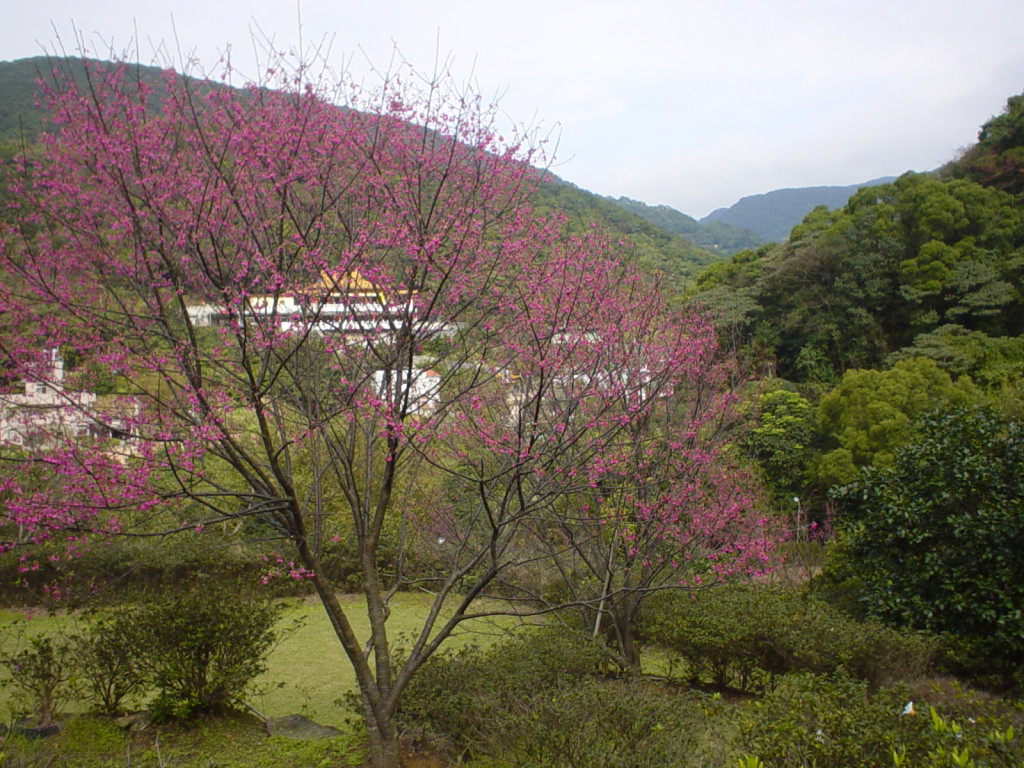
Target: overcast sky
x=689, y=103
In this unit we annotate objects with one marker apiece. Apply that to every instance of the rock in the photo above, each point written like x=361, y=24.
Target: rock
x=300, y=728
x=134, y=722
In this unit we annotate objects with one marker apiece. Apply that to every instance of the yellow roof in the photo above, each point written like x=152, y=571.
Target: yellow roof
x=350, y=282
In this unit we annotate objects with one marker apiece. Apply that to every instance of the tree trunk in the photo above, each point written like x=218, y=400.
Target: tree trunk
x=621, y=634
x=378, y=715
x=628, y=647
x=381, y=739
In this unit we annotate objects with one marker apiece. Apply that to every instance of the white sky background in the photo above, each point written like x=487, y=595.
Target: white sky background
x=692, y=103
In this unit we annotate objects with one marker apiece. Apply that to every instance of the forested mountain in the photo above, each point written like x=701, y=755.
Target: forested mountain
x=21, y=116
x=925, y=265
x=773, y=214
x=753, y=221
x=676, y=257
x=673, y=255
x=718, y=237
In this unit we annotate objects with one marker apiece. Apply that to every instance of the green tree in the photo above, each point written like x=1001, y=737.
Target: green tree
x=961, y=257
x=995, y=363
x=780, y=440
x=853, y=286
x=823, y=291
x=934, y=539
x=869, y=415
x=997, y=159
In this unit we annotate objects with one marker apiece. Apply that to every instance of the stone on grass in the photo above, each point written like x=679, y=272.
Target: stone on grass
x=301, y=728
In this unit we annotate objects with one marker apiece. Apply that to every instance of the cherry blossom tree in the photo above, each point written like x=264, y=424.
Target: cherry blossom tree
x=666, y=506
x=328, y=303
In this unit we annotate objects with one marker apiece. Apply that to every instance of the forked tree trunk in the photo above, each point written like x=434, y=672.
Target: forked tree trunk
x=621, y=634
x=381, y=728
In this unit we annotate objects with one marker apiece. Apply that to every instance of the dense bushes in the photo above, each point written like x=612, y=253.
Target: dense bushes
x=118, y=569
x=830, y=721
x=459, y=694
x=834, y=720
x=548, y=697
x=744, y=636
x=935, y=540
x=539, y=699
x=189, y=652
x=604, y=724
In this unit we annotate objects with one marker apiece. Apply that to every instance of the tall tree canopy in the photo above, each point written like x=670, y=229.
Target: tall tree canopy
x=997, y=160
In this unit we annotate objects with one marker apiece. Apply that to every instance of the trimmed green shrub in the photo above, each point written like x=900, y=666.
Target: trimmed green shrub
x=833, y=721
x=721, y=633
x=594, y=723
x=539, y=699
x=459, y=695
x=744, y=636
x=108, y=660
x=199, y=650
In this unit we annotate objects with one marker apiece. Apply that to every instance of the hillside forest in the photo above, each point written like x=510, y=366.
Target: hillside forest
x=302, y=338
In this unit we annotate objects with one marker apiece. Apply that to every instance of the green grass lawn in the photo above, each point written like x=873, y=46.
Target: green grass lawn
x=224, y=742
x=307, y=673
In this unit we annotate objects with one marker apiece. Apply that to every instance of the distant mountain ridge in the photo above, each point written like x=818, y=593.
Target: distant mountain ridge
x=718, y=237
x=773, y=215
x=663, y=238
x=21, y=116
x=752, y=221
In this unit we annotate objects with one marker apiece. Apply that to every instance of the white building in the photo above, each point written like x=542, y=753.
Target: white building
x=423, y=388
x=349, y=305
x=48, y=411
